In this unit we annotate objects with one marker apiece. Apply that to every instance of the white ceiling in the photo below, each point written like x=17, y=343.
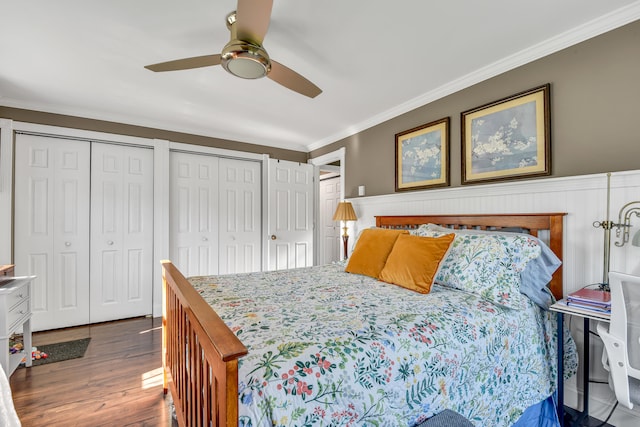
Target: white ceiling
x=373, y=59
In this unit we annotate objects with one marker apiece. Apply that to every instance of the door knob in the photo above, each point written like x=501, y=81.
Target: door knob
x=110, y=242
x=273, y=237
x=204, y=239
x=67, y=244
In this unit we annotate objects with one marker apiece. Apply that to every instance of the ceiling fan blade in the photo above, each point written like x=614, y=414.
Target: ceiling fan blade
x=252, y=20
x=292, y=80
x=186, y=63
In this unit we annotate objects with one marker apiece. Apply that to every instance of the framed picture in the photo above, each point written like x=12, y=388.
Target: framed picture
x=422, y=156
x=507, y=139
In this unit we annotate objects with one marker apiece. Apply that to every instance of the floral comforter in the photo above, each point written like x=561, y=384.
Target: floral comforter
x=329, y=348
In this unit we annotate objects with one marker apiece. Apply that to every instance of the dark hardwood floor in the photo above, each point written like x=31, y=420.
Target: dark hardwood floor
x=117, y=383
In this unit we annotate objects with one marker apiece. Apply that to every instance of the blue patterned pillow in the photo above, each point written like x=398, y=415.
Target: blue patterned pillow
x=536, y=276
x=486, y=264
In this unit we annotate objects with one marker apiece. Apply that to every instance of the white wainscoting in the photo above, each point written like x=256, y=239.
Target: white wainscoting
x=584, y=199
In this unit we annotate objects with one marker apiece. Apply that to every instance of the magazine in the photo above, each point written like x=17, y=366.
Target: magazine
x=588, y=306
x=600, y=314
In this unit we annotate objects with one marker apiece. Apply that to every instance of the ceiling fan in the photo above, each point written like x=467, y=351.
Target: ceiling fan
x=244, y=56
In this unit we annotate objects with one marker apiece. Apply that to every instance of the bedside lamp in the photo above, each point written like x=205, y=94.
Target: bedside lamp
x=622, y=230
x=345, y=212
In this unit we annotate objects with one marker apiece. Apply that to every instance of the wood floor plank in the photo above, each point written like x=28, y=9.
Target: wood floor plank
x=118, y=382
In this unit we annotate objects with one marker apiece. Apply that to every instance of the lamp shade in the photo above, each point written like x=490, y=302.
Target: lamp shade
x=344, y=212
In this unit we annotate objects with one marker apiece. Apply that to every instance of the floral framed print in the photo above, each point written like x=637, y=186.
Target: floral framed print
x=507, y=139
x=422, y=156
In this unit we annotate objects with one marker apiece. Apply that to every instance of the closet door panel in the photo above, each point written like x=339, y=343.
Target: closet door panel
x=39, y=265
x=110, y=269
x=193, y=224
x=34, y=242
x=52, y=193
x=290, y=215
x=106, y=244
x=138, y=236
x=122, y=233
x=240, y=216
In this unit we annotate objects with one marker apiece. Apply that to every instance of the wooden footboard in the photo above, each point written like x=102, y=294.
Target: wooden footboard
x=199, y=355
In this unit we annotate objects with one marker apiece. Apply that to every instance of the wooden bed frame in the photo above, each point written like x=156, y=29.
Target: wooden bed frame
x=200, y=353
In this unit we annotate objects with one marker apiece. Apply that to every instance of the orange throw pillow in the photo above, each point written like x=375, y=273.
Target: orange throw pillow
x=371, y=251
x=414, y=261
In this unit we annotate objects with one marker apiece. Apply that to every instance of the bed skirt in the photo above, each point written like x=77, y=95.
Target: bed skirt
x=542, y=414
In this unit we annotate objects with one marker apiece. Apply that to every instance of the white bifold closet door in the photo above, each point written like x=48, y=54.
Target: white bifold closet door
x=215, y=214
x=51, y=227
x=240, y=196
x=121, y=232
x=84, y=226
x=193, y=213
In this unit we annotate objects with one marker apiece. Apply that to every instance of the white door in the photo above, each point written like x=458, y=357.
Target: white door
x=290, y=222
x=329, y=229
x=52, y=193
x=193, y=223
x=121, y=232
x=240, y=189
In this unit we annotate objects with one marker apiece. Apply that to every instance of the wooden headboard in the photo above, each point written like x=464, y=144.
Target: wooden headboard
x=531, y=223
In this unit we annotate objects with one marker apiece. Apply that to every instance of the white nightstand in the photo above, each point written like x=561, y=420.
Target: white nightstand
x=15, y=312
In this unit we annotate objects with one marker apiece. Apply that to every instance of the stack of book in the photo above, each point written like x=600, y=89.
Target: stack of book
x=590, y=299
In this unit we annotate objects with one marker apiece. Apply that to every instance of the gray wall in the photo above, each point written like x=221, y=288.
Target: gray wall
x=595, y=111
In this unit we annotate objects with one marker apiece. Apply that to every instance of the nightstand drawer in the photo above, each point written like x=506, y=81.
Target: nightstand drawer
x=18, y=296
x=18, y=313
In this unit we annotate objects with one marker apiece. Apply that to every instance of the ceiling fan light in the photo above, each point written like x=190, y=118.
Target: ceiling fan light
x=247, y=68
x=245, y=60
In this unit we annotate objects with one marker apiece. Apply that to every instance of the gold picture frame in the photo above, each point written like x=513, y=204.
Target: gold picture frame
x=507, y=139
x=422, y=156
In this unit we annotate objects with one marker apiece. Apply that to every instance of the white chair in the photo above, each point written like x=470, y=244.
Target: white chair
x=621, y=355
